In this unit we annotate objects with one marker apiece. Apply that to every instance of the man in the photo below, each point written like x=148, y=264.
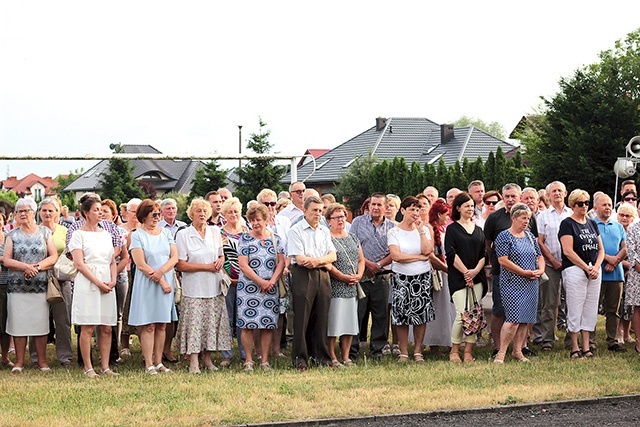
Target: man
x=451, y=194
x=371, y=229
x=549, y=296
x=476, y=191
x=530, y=198
x=311, y=251
x=215, y=200
x=294, y=211
x=615, y=250
x=496, y=223
x=431, y=193
x=169, y=209
x=224, y=194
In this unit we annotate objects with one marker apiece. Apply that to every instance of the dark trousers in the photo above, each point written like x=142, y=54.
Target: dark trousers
x=610, y=296
x=376, y=302
x=311, y=297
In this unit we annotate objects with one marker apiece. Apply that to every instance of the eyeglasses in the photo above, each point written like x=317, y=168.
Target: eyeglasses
x=492, y=202
x=630, y=199
x=338, y=218
x=625, y=215
x=24, y=211
x=156, y=214
x=582, y=204
x=270, y=203
x=297, y=191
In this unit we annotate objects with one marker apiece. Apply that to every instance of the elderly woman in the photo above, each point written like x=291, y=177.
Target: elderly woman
x=632, y=285
x=582, y=256
x=345, y=275
x=261, y=261
x=154, y=252
x=93, y=256
x=29, y=252
x=204, y=323
x=425, y=205
x=50, y=215
x=466, y=255
x=280, y=225
x=521, y=265
x=231, y=232
x=626, y=214
x=410, y=246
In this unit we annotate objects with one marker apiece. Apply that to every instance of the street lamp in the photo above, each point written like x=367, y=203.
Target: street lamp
x=625, y=167
x=239, y=145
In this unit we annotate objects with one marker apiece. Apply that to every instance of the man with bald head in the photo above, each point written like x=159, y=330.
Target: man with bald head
x=451, y=194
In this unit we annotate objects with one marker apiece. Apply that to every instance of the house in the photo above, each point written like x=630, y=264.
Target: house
x=31, y=185
x=165, y=175
x=311, y=153
x=415, y=139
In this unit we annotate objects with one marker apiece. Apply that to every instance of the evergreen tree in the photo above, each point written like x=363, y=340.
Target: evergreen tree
x=208, y=178
x=353, y=187
x=443, y=178
x=490, y=181
x=429, y=176
x=117, y=182
x=377, y=177
x=501, y=168
x=458, y=178
x=396, y=176
x=414, y=180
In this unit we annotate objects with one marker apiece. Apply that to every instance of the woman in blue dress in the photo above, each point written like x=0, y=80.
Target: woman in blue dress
x=261, y=260
x=155, y=254
x=521, y=265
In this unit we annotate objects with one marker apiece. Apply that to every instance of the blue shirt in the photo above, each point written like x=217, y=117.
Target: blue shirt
x=612, y=235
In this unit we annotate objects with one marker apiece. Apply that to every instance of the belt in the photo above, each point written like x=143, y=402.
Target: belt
x=384, y=272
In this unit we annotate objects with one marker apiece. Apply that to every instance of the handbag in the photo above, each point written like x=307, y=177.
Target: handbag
x=225, y=282
x=436, y=279
x=282, y=287
x=361, y=293
x=544, y=278
x=54, y=292
x=473, y=320
x=177, y=293
x=64, y=269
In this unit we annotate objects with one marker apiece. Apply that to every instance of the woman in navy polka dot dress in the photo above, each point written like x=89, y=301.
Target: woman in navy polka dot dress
x=521, y=265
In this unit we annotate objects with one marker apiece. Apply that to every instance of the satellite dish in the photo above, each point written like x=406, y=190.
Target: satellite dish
x=633, y=147
x=625, y=168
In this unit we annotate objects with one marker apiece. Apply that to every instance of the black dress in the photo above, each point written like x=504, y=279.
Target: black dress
x=470, y=248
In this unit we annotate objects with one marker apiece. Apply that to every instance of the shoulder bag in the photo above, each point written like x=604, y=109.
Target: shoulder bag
x=282, y=287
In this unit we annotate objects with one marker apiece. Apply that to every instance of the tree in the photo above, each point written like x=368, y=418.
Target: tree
x=208, y=178
x=67, y=197
x=395, y=177
x=500, y=174
x=492, y=128
x=490, y=183
x=444, y=181
x=9, y=196
x=458, y=178
x=587, y=124
x=429, y=176
x=117, y=182
x=353, y=187
x=377, y=181
x=182, y=203
x=414, y=182
x=258, y=174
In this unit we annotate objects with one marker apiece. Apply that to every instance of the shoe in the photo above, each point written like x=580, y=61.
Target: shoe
x=211, y=367
x=386, y=350
x=335, y=364
x=16, y=370
x=577, y=354
x=125, y=353
x=45, y=369
x=161, y=368
x=225, y=363
x=520, y=357
x=247, y=366
x=546, y=347
x=8, y=363
x=588, y=354
x=377, y=357
x=281, y=355
x=468, y=358
x=418, y=357
x=629, y=340
x=151, y=370
x=166, y=359
x=616, y=348
x=301, y=368
x=395, y=350
x=90, y=373
x=348, y=363
x=495, y=353
x=108, y=372
x=455, y=358
x=527, y=352
x=266, y=367
x=403, y=358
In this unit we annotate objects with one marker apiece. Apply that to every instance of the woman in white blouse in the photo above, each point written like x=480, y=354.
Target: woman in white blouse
x=204, y=323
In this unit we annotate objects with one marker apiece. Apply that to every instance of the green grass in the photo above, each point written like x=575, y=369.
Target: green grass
x=230, y=396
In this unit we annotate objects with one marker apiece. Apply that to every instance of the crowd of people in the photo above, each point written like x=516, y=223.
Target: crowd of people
x=294, y=267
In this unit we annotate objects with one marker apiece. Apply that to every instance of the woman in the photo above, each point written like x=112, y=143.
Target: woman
x=626, y=216
x=345, y=275
x=261, y=261
x=5, y=338
x=410, y=246
x=154, y=253
x=279, y=225
x=521, y=265
x=439, y=332
x=490, y=200
x=93, y=256
x=204, y=323
x=465, y=253
x=393, y=206
x=582, y=256
x=110, y=213
x=231, y=232
x=29, y=252
x=282, y=203
x=50, y=215
x=425, y=205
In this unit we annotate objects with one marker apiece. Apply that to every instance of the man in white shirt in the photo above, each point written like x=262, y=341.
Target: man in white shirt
x=294, y=211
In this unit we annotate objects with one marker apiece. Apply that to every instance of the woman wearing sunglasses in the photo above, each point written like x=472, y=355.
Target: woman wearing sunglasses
x=154, y=253
x=490, y=199
x=582, y=256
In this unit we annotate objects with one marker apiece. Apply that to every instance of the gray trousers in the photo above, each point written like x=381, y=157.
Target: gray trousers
x=548, y=300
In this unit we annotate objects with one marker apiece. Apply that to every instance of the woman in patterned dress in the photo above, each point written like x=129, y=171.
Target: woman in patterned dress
x=345, y=273
x=521, y=265
x=261, y=260
x=203, y=323
x=411, y=245
x=632, y=289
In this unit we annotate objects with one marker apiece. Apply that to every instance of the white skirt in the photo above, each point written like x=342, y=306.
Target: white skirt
x=92, y=307
x=343, y=317
x=27, y=314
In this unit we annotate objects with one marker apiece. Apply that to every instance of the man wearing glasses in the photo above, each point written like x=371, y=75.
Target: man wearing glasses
x=295, y=210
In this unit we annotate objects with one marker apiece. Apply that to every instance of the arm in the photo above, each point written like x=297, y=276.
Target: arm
x=323, y=261
x=124, y=259
x=612, y=261
x=546, y=253
x=243, y=262
x=516, y=269
x=78, y=261
x=567, y=249
x=594, y=270
x=426, y=240
x=398, y=256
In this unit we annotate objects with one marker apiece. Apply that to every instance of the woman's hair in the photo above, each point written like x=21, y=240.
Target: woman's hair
x=199, y=203
x=629, y=193
x=112, y=207
x=628, y=209
x=50, y=201
x=258, y=210
x=282, y=203
x=520, y=209
x=365, y=205
x=542, y=198
x=145, y=208
x=334, y=207
x=460, y=200
x=264, y=193
x=409, y=201
x=28, y=202
x=133, y=202
x=491, y=193
x=394, y=200
x=439, y=207
x=577, y=194
x=87, y=204
x=230, y=203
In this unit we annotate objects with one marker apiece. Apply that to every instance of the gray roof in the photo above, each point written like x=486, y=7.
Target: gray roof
x=174, y=175
x=415, y=139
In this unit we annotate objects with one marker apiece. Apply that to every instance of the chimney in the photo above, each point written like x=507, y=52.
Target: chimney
x=446, y=133
x=381, y=122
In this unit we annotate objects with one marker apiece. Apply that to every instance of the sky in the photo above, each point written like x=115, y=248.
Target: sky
x=77, y=76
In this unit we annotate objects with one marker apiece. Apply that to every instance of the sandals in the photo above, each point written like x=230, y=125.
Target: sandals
x=588, y=354
x=348, y=363
x=395, y=350
x=108, y=372
x=455, y=358
x=151, y=370
x=17, y=370
x=8, y=363
x=403, y=358
x=520, y=357
x=333, y=364
x=90, y=373
x=575, y=354
x=194, y=369
x=247, y=366
x=418, y=357
x=161, y=368
x=468, y=358
x=266, y=367
x=225, y=363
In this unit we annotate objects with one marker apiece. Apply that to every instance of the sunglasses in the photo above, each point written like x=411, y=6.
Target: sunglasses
x=270, y=203
x=156, y=214
x=297, y=191
x=630, y=199
x=582, y=204
x=491, y=202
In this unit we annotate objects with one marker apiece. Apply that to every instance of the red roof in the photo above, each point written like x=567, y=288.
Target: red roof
x=22, y=187
x=315, y=152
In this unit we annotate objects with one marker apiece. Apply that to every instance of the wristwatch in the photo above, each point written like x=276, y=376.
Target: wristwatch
x=38, y=267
